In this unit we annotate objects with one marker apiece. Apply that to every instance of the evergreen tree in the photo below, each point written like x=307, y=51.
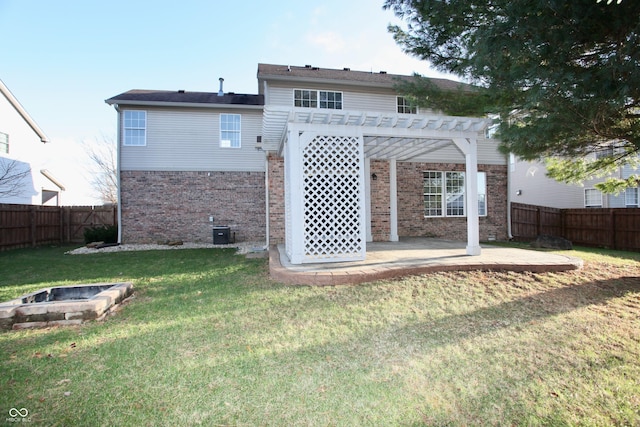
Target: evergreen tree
x=562, y=75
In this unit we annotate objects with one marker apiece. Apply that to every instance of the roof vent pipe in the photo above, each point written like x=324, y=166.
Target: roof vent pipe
x=221, y=92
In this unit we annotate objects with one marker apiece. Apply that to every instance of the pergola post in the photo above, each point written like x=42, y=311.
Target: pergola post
x=393, y=201
x=469, y=147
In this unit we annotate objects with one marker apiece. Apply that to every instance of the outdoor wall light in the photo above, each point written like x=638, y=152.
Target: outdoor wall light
x=374, y=176
x=519, y=193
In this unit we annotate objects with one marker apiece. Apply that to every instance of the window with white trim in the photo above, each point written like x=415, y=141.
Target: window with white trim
x=135, y=127
x=482, y=194
x=604, y=152
x=405, y=107
x=455, y=193
x=230, y=130
x=592, y=198
x=317, y=99
x=4, y=143
x=444, y=194
x=631, y=197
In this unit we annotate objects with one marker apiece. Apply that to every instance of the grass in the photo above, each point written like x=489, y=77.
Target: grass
x=209, y=340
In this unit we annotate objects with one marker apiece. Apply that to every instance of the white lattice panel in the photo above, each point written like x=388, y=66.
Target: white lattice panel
x=333, y=217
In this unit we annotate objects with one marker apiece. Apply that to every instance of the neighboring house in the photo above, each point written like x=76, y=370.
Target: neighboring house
x=529, y=184
x=23, y=179
x=321, y=160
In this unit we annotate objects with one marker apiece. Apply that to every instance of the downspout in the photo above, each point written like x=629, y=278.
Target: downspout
x=266, y=174
x=266, y=198
x=509, y=235
x=118, y=181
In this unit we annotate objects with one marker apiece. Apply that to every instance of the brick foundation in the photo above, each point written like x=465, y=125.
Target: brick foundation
x=160, y=206
x=276, y=200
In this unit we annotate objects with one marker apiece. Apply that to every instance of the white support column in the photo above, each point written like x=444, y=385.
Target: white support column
x=294, y=186
x=393, y=201
x=469, y=147
x=367, y=186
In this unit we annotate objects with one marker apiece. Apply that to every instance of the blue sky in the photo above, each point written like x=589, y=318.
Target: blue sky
x=62, y=59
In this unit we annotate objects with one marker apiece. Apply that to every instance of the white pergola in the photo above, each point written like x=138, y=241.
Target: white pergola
x=327, y=155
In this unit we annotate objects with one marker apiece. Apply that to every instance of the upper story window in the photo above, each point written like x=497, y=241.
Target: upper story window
x=404, y=107
x=317, y=99
x=592, y=198
x=604, y=152
x=331, y=100
x=444, y=193
x=631, y=197
x=4, y=143
x=230, y=127
x=135, y=127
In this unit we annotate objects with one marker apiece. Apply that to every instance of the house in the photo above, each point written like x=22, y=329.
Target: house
x=321, y=160
x=530, y=185
x=23, y=178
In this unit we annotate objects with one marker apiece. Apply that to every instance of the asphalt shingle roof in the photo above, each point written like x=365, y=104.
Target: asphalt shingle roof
x=346, y=75
x=266, y=71
x=187, y=97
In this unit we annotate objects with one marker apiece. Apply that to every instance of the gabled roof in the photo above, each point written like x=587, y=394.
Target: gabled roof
x=23, y=113
x=309, y=73
x=185, y=98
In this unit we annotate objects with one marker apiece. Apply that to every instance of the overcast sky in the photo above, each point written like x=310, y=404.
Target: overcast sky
x=62, y=58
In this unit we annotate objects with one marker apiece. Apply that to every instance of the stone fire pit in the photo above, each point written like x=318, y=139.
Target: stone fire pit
x=63, y=305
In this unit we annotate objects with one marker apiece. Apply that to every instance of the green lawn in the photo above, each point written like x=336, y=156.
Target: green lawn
x=209, y=340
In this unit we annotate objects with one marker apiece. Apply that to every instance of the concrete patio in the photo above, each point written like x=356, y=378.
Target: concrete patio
x=412, y=256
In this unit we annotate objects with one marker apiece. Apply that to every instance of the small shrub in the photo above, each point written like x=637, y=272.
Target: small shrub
x=105, y=233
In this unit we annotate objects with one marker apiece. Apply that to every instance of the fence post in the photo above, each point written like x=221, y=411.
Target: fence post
x=32, y=219
x=538, y=220
x=612, y=228
x=61, y=224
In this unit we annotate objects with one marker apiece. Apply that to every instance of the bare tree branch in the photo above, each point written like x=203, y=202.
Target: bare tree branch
x=12, y=177
x=102, y=154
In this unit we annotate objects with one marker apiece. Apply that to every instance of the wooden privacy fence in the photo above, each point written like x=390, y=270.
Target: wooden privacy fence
x=617, y=228
x=28, y=225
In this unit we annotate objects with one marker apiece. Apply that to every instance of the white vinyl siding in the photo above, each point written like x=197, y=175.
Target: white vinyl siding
x=358, y=99
x=529, y=177
x=4, y=143
x=353, y=98
x=135, y=127
x=189, y=140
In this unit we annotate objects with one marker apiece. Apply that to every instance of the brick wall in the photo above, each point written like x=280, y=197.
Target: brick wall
x=276, y=199
x=159, y=206
x=411, y=220
x=380, y=201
